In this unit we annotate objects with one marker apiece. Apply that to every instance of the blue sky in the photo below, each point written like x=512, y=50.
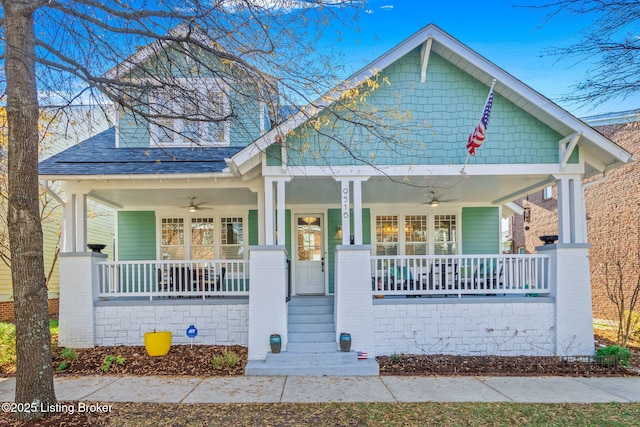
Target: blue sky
x=514, y=38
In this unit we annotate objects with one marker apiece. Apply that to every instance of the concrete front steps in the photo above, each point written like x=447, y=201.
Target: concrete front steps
x=311, y=347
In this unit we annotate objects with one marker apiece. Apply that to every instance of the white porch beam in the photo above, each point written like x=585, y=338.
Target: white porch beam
x=105, y=201
x=567, y=146
x=594, y=161
x=523, y=191
x=425, y=51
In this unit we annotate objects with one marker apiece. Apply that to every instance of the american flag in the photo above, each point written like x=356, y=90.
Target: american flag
x=477, y=136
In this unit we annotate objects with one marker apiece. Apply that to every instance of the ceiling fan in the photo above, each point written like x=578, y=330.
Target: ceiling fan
x=435, y=201
x=193, y=206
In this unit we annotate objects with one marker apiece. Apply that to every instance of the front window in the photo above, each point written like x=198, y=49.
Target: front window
x=183, y=121
x=231, y=238
x=172, y=244
x=416, y=235
x=202, y=238
x=387, y=235
x=445, y=233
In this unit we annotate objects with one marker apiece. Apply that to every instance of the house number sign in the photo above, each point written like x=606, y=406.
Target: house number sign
x=345, y=203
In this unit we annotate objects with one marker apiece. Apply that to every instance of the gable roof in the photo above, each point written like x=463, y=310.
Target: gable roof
x=98, y=155
x=603, y=153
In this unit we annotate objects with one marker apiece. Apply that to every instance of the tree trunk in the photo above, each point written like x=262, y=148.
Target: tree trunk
x=34, y=376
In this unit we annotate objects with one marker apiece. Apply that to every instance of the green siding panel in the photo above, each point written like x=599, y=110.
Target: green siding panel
x=136, y=235
x=274, y=155
x=480, y=231
x=253, y=227
x=427, y=123
x=334, y=219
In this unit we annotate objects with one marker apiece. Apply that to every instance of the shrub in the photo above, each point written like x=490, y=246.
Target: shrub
x=395, y=357
x=227, y=359
x=7, y=344
x=109, y=360
x=69, y=355
x=609, y=354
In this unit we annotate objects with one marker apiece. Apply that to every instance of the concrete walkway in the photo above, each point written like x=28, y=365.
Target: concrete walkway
x=339, y=389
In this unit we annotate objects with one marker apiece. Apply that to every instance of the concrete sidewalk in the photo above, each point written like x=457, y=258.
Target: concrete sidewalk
x=340, y=389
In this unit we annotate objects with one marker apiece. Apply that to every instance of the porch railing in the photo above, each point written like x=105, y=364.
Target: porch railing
x=460, y=274
x=174, y=278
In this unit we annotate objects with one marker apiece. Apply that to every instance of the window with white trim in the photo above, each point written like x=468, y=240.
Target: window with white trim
x=423, y=234
x=172, y=238
x=202, y=238
x=199, y=119
x=445, y=235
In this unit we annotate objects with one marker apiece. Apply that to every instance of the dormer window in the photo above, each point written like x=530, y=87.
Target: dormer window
x=197, y=118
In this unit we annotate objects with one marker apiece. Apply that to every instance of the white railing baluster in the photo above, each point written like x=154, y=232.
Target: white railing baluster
x=514, y=274
x=173, y=278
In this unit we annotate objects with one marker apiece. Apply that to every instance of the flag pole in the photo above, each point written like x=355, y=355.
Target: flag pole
x=466, y=159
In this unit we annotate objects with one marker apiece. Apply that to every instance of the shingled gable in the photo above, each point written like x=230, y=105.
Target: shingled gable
x=98, y=155
x=600, y=153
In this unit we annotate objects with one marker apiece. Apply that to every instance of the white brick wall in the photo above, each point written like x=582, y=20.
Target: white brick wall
x=465, y=328
x=218, y=324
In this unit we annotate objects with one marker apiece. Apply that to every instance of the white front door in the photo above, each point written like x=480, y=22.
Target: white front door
x=310, y=255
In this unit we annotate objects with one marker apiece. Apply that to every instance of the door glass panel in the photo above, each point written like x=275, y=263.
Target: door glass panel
x=309, y=239
x=416, y=235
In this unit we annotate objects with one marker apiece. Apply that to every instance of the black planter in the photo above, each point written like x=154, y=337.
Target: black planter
x=95, y=247
x=548, y=239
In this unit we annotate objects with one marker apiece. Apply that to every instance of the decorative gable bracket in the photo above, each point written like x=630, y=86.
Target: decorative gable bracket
x=566, y=147
x=424, y=58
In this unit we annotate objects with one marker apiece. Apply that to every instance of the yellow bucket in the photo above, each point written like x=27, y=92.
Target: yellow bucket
x=157, y=343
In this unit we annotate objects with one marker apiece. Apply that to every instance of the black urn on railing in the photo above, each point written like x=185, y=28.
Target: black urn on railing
x=96, y=247
x=548, y=239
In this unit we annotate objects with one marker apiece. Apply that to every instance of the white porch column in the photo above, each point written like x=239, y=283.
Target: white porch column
x=281, y=215
x=353, y=302
x=571, y=288
x=572, y=225
x=267, y=298
x=260, y=193
x=347, y=198
x=269, y=225
x=274, y=224
x=79, y=286
x=345, y=203
x=74, y=227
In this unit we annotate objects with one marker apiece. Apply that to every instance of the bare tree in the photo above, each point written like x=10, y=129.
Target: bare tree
x=622, y=284
x=135, y=55
x=610, y=42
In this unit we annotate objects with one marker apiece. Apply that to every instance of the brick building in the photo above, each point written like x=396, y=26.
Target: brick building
x=613, y=212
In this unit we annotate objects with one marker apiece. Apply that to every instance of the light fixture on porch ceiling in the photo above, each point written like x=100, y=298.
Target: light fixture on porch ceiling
x=435, y=202
x=193, y=206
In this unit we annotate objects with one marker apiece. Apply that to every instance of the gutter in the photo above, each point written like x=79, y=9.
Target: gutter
x=133, y=177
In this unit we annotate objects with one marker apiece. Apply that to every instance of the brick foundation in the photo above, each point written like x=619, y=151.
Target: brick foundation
x=6, y=310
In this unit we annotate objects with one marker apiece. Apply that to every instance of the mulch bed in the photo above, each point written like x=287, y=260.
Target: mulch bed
x=431, y=365
x=181, y=360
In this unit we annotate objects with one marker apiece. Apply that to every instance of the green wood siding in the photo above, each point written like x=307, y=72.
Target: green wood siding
x=480, y=231
x=425, y=123
x=274, y=155
x=253, y=229
x=334, y=219
x=136, y=235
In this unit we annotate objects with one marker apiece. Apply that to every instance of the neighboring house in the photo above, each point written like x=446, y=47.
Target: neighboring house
x=612, y=210
x=339, y=216
x=64, y=128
